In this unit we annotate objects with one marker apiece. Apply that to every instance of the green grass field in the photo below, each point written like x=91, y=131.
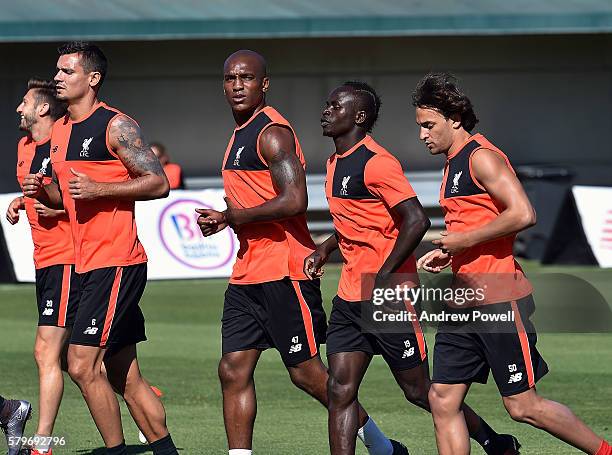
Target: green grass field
x=183, y=326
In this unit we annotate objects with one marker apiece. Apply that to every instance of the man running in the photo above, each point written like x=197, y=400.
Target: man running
x=103, y=165
x=269, y=301
x=379, y=222
x=484, y=207
x=57, y=285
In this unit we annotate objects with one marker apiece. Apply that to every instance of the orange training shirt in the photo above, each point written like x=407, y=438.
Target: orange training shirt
x=52, y=237
x=269, y=251
x=104, y=230
x=468, y=206
x=174, y=174
x=362, y=185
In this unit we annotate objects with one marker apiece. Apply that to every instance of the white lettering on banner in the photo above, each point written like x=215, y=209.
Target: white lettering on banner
x=595, y=209
x=167, y=228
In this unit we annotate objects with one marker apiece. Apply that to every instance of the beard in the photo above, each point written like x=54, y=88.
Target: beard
x=27, y=122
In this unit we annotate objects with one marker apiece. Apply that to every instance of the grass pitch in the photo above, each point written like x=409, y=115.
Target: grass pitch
x=183, y=326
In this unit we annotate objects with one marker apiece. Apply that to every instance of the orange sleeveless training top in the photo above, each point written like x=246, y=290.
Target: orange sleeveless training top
x=269, y=251
x=467, y=206
x=52, y=237
x=104, y=230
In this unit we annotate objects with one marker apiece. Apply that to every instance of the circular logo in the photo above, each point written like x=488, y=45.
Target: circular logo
x=182, y=238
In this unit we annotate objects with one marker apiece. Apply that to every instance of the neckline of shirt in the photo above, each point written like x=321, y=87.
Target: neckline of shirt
x=41, y=142
x=366, y=139
x=95, y=107
x=466, y=142
x=263, y=109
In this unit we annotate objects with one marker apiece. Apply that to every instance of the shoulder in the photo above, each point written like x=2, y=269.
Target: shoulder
x=484, y=156
x=276, y=138
x=60, y=122
x=278, y=128
x=121, y=119
x=487, y=165
x=122, y=126
x=383, y=161
x=275, y=116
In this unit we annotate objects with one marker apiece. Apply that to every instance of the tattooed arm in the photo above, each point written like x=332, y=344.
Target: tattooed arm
x=277, y=147
x=148, y=178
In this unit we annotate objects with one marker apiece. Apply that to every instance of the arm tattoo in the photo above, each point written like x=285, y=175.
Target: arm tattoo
x=133, y=151
x=285, y=169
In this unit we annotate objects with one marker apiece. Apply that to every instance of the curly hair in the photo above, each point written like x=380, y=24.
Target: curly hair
x=369, y=100
x=439, y=91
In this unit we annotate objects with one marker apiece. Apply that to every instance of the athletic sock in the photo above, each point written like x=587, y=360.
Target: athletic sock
x=375, y=440
x=240, y=452
x=121, y=449
x=42, y=447
x=604, y=448
x=164, y=446
x=484, y=435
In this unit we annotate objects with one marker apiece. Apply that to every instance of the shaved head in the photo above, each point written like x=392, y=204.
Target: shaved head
x=245, y=83
x=250, y=58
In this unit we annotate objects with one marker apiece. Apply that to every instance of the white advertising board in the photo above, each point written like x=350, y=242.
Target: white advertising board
x=168, y=230
x=595, y=209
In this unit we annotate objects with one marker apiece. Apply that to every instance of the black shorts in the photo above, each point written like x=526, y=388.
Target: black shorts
x=57, y=295
x=109, y=315
x=285, y=314
x=402, y=348
x=509, y=351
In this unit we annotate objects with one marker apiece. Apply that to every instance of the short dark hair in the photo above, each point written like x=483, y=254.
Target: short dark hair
x=369, y=99
x=92, y=57
x=44, y=92
x=439, y=91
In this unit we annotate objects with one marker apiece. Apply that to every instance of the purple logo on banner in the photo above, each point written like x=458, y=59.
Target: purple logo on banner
x=181, y=236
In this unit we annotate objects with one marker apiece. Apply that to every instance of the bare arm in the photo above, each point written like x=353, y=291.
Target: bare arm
x=49, y=194
x=12, y=212
x=412, y=229
x=46, y=212
x=149, y=180
x=277, y=147
x=317, y=259
x=491, y=171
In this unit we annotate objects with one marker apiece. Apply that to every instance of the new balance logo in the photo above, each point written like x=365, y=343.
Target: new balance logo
x=408, y=353
x=48, y=312
x=54, y=149
x=237, y=159
x=43, y=168
x=85, y=148
x=91, y=330
x=296, y=346
x=517, y=377
x=455, y=187
x=344, y=190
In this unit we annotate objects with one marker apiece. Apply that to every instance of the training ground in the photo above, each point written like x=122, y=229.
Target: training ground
x=183, y=327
